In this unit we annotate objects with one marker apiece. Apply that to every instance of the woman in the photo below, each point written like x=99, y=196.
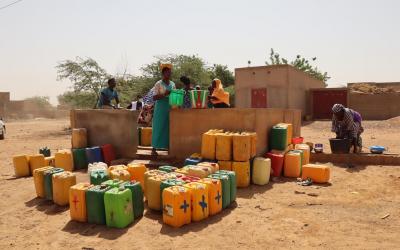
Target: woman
x=346, y=123
x=218, y=97
x=162, y=89
x=187, y=104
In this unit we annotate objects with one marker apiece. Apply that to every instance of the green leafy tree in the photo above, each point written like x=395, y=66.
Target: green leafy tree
x=85, y=74
x=300, y=63
x=40, y=101
x=223, y=73
x=77, y=99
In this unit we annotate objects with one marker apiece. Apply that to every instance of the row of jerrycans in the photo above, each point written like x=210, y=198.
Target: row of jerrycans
x=114, y=203
x=188, y=198
x=53, y=184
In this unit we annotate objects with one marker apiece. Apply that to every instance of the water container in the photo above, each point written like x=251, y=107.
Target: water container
x=118, y=207
x=137, y=197
x=199, y=171
x=21, y=165
x=317, y=173
x=137, y=170
x=184, y=170
x=176, y=97
x=241, y=147
x=117, y=167
x=149, y=174
x=242, y=171
x=112, y=183
x=188, y=178
x=340, y=146
x=192, y=161
x=289, y=128
x=64, y=160
x=95, y=204
x=306, y=152
x=77, y=201
x=214, y=166
x=97, y=166
x=225, y=165
x=233, y=183
x=120, y=174
x=98, y=176
x=253, y=143
x=261, y=170
x=198, y=98
x=61, y=184
x=292, y=165
x=276, y=163
x=208, y=144
x=45, y=151
x=226, y=188
x=36, y=161
x=108, y=153
x=38, y=179
x=48, y=181
x=224, y=147
x=278, y=138
x=94, y=155
x=199, y=200
x=50, y=161
x=167, y=169
x=214, y=194
x=80, y=161
x=177, y=206
x=145, y=136
x=79, y=138
x=169, y=183
x=153, y=194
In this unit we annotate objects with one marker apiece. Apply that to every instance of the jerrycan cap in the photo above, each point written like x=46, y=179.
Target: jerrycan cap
x=103, y=186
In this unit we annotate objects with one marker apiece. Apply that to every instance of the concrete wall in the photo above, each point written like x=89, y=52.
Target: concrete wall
x=187, y=126
x=375, y=106
x=287, y=87
x=116, y=127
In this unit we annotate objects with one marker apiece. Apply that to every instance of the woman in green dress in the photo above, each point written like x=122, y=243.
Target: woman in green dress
x=162, y=89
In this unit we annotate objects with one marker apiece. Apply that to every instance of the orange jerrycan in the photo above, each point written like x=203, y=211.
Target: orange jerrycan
x=21, y=165
x=137, y=171
x=253, y=143
x=199, y=171
x=176, y=206
x=214, y=166
x=116, y=167
x=64, y=160
x=225, y=165
x=79, y=138
x=149, y=174
x=214, y=194
x=208, y=144
x=317, y=173
x=153, y=192
x=241, y=147
x=224, y=147
x=145, y=136
x=199, y=200
x=50, y=161
x=36, y=161
x=292, y=164
x=61, y=184
x=38, y=179
x=77, y=201
x=242, y=171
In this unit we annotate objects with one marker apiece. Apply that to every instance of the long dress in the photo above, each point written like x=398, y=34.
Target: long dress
x=160, y=136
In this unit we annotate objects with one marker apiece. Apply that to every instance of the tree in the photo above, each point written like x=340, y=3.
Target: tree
x=300, y=63
x=85, y=74
x=77, y=99
x=42, y=102
x=223, y=73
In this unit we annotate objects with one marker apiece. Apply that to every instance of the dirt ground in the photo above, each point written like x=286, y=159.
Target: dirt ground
x=359, y=209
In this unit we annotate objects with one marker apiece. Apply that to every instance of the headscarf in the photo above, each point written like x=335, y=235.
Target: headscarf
x=219, y=93
x=165, y=65
x=337, y=108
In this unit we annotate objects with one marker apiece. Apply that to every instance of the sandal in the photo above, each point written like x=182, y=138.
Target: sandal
x=307, y=182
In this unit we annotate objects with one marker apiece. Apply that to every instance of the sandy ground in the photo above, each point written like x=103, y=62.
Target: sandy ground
x=347, y=213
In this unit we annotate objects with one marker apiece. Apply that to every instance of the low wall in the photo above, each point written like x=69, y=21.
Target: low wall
x=116, y=127
x=375, y=106
x=187, y=126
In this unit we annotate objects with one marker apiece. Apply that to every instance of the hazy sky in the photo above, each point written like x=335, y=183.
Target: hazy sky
x=354, y=40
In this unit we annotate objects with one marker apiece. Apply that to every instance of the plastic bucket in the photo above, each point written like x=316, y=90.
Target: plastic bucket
x=340, y=146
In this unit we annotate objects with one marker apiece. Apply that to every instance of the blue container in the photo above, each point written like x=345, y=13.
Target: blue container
x=192, y=161
x=377, y=149
x=94, y=155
